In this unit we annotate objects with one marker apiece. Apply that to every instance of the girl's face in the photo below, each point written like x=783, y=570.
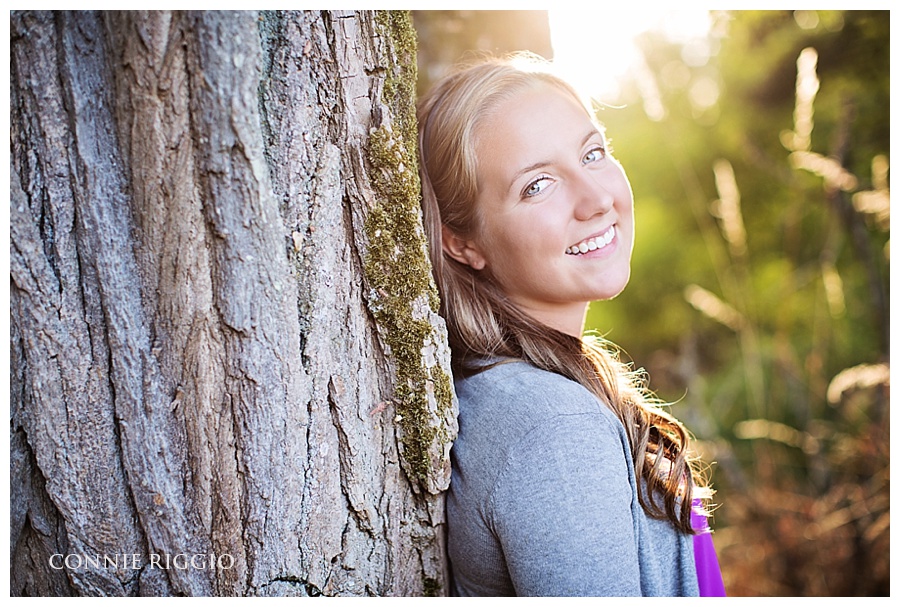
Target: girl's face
x=556, y=210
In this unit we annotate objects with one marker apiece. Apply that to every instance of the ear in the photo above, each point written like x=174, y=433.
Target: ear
x=462, y=250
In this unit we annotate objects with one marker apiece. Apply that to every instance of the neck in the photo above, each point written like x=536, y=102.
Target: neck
x=569, y=319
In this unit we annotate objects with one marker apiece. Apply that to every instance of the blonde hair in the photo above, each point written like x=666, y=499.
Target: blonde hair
x=484, y=324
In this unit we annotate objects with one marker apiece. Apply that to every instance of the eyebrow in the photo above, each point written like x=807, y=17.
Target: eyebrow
x=543, y=163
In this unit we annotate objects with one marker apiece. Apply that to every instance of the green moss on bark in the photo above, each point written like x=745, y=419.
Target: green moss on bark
x=431, y=586
x=396, y=265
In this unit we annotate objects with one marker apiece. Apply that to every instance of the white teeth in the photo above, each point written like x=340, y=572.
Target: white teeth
x=592, y=244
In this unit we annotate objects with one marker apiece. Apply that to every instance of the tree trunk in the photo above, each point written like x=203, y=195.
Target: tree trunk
x=223, y=331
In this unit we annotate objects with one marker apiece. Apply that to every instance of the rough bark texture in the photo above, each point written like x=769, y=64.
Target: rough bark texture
x=201, y=361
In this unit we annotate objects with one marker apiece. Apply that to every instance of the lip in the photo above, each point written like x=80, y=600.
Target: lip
x=610, y=232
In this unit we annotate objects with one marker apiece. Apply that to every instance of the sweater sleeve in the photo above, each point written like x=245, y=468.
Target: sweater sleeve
x=562, y=509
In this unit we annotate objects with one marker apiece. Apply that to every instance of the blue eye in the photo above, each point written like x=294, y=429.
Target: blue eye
x=536, y=187
x=597, y=153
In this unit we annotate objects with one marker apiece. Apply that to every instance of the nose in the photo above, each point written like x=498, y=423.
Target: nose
x=593, y=195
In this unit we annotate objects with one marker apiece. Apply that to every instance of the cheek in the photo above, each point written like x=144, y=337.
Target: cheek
x=625, y=194
x=625, y=203
x=495, y=242
x=508, y=245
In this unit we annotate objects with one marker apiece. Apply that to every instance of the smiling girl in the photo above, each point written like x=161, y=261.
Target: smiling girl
x=567, y=478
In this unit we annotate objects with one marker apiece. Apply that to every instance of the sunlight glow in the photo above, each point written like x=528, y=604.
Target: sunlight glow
x=595, y=49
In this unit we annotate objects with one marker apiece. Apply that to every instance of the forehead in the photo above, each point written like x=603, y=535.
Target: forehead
x=536, y=125
x=543, y=97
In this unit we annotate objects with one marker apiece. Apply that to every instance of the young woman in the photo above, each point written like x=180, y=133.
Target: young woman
x=567, y=479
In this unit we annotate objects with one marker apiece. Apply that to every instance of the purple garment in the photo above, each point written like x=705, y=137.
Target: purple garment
x=709, y=576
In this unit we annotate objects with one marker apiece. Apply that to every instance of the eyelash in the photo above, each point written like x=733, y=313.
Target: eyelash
x=526, y=193
x=598, y=148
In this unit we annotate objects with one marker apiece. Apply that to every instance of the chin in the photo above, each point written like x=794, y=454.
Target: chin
x=614, y=287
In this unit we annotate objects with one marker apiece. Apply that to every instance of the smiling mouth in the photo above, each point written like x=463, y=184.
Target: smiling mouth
x=592, y=244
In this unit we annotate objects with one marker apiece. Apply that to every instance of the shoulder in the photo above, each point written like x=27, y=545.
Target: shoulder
x=519, y=389
x=532, y=443
x=515, y=406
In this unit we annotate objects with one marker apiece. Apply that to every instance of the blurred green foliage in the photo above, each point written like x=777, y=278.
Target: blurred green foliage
x=759, y=298
x=749, y=336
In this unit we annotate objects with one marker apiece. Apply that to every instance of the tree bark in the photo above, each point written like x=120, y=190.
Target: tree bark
x=209, y=353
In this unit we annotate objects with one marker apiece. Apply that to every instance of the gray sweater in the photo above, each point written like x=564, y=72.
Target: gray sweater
x=543, y=498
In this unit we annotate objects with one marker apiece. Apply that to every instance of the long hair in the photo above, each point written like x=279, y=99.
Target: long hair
x=483, y=323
